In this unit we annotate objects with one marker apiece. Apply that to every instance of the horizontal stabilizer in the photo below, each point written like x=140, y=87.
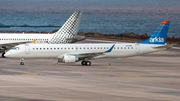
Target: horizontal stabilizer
x=169, y=46
x=76, y=39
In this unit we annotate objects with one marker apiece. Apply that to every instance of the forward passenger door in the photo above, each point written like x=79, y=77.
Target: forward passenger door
x=27, y=49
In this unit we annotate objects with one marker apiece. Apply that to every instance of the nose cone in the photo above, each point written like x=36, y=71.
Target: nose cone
x=6, y=54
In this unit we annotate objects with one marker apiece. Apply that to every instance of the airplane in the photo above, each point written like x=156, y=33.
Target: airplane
x=66, y=34
x=71, y=53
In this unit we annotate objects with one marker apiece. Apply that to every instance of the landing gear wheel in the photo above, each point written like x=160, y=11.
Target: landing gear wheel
x=83, y=62
x=88, y=63
x=22, y=63
x=3, y=54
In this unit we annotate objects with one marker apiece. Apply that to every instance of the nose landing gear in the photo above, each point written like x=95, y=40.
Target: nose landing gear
x=21, y=61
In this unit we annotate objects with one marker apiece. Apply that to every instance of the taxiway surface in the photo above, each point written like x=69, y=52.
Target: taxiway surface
x=150, y=77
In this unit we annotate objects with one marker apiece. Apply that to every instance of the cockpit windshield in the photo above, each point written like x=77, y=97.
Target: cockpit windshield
x=15, y=48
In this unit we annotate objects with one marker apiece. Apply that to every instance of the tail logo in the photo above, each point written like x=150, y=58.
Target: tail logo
x=156, y=39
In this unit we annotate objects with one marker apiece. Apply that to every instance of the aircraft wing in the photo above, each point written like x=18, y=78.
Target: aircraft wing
x=89, y=55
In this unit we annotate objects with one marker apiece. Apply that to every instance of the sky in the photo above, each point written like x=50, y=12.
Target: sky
x=91, y=6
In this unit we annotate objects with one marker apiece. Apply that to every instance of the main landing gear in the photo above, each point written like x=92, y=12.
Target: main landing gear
x=88, y=63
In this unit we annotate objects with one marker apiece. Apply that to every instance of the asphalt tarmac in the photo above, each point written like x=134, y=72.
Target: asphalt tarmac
x=150, y=77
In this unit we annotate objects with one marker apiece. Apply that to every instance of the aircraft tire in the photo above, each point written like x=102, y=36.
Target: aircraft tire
x=22, y=63
x=3, y=54
x=83, y=62
x=88, y=63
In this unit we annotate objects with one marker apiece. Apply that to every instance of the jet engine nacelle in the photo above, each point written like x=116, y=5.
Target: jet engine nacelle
x=68, y=59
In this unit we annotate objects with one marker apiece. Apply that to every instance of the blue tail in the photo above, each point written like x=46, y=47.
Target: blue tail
x=159, y=36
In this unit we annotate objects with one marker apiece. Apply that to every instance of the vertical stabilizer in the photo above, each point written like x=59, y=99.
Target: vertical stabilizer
x=159, y=35
x=68, y=30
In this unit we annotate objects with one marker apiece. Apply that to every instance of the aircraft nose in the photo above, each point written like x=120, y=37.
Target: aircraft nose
x=6, y=54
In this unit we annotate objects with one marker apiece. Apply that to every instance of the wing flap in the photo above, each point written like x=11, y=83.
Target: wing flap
x=88, y=54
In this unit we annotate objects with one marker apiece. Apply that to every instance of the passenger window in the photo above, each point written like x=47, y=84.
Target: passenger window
x=58, y=48
x=47, y=48
x=64, y=48
x=131, y=47
x=94, y=47
x=68, y=48
x=124, y=47
x=121, y=48
x=88, y=48
x=101, y=47
x=54, y=48
x=61, y=48
x=104, y=47
x=117, y=47
x=44, y=48
x=128, y=47
x=36, y=48
x=98, y=48
x=84, y=48
x=40, y=48
x=91, y=47
x=107, y=48
x=72, y=48
x=114, y=47
x=33, y=48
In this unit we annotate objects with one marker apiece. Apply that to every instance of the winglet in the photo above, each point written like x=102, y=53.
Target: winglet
x=110, y=49
x=34, y=41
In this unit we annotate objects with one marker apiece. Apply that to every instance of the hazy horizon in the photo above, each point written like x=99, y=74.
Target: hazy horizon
x=91, y=6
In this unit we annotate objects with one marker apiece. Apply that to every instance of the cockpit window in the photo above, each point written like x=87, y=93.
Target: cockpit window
x=15, y=48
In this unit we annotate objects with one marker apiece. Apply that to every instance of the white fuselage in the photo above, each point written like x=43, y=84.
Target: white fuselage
x=20, y=37
x=56, y=50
